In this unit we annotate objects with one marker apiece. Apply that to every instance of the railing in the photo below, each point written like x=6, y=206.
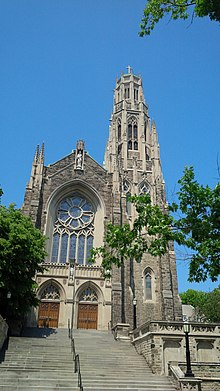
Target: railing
x=75, y=358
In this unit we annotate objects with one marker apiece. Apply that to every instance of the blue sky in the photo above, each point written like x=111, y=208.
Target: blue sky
x=58, y=63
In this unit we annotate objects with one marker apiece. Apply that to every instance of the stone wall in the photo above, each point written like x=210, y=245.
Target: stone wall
x=3, y=331
x=162, y=342
x=209, y=373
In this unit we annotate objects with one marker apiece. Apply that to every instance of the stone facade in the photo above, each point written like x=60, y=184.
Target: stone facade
x=72, y=201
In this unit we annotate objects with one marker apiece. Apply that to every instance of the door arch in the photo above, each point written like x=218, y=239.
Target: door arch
x=48, y=313
x=88, y=309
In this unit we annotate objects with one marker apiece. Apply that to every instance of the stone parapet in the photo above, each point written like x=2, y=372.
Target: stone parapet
x=121, y=331
x=55, y=269
x=162, y=342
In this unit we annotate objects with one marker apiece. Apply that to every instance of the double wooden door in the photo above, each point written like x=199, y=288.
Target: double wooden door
x=87, y=316
x=48, y=315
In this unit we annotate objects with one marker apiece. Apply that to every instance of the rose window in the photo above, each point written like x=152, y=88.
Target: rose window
x=73, y=231
x=75, y=212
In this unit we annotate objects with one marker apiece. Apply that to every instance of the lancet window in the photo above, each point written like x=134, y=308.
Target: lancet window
x=119, y=130
x=73, y=231
x=144, y=188
x=132, y=135
x=148, y=284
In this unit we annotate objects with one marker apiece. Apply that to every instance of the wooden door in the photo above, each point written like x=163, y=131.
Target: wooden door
x=87, y=316
x=48, y=315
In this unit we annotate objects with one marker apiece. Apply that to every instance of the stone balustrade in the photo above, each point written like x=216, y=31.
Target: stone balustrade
x=89, y=271
x=56, y=269
x=163, y=343
x=81, y=271
x=170, y=327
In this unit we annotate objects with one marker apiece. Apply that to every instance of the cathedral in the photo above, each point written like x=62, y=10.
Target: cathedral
x=72, y=200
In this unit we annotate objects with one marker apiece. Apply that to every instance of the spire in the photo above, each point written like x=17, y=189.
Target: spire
x=156, y=148
x=36, y=156
x=37, y=168
x=41, y=155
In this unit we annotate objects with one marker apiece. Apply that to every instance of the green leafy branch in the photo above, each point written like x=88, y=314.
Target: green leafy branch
x=153, y=230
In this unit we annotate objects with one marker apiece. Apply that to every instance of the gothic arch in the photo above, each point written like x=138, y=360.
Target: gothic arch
x=92, y=286
x=148, y=284
x=52, y=298
x=132, y=133
x=73, y=189
x=144, y=188
x=56, y=285
x=89, y=306
x=119, y=134
x=132, y=119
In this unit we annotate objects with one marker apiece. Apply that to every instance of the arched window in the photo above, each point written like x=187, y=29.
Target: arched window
x=132, y=135
x=128, y=203
x=136, y=93
x=129, y=131
x=144, y=188
x=145, y=131
x=50, y=292
x=147, y=154
x=73, y=230
x=88, y=294
x=148, y=284
x=119, y=130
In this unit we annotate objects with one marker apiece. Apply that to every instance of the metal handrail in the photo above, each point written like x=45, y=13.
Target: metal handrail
x=76, y=361
x=77, y=369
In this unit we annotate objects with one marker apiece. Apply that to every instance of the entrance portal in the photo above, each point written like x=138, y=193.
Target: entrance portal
x=88, y=309
x=48, y=314
x=87, y=316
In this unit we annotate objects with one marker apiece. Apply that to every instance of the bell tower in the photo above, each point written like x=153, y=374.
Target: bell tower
x=147, y=290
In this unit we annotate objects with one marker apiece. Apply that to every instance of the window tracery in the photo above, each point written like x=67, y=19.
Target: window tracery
x=126, y=186
x=51, y=292
x=88, y=294
x=132, y=134
x=73, y=230
x=144, y=188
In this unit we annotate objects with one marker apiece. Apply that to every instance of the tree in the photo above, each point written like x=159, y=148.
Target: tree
x=211, y=307
x=198, y=228
x=206, y=304
x=21, y=256
x=177, y=9
x=197, y=300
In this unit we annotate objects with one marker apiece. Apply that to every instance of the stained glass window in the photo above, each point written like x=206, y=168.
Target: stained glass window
x=56, y=239
x=50, y=292
x=89, y=246
x=81, y=248
x=73, y=230
x=63, y=252
x=88, y=294
x=148, y=285
x=72, y=253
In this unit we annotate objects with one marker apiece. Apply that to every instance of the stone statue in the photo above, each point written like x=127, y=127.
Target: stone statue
x=79, y=160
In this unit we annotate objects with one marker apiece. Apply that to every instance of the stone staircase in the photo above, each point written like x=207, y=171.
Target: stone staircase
x=109, y=365
x=40, y=360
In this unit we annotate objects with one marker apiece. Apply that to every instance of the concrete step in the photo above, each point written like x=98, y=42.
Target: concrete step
x=41, y=360
x=38, y=388
x=110, y=365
